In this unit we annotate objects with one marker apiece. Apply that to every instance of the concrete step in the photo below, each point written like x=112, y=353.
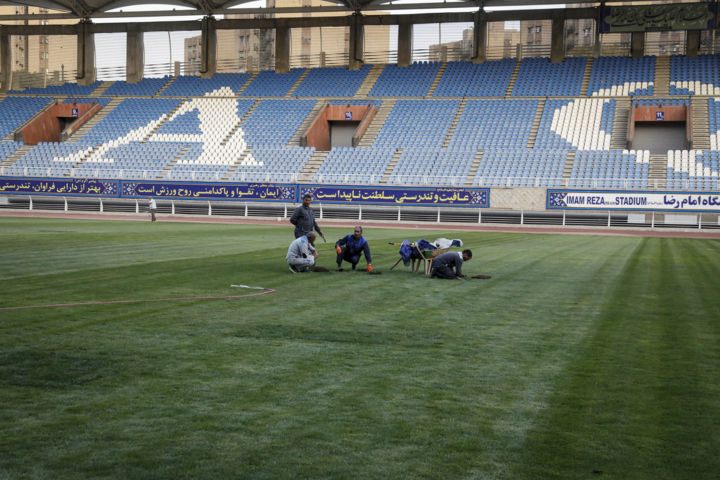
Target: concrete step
x=586, y=77
x=377, y=123
x=474, y=168
x=618, y=136
x=391, y=166
x=101, y=89
x=235, y=164
x=312, y=166
x=166, y=86
x=295, y=140
x=536, y=123
x=454, y=124
x=370, y=81
x=161, y=123
x=661, y=82
x=436, y=81
x=657, y=171
x=297, y=84
x=94, y=120
x=250, y=80
x=164, y=173
x=16, y=155
x=513, y=78
x=567, y=171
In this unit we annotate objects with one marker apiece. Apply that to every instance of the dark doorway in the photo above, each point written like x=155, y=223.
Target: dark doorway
x=341, y=133
x=659, y=137
x=66, y=122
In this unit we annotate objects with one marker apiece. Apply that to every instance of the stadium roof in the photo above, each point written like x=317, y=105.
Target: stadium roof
x=101, y=8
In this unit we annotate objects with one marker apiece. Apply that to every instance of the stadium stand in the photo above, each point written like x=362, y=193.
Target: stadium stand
x=610, y=169
x=438, y=167
x=135, y=159
x=693, y=170
x=521, y=168
x=417, y=124
x=622, y=76
x=64, y=89
x=355, y=165
x=412, y=81
x=332, y=82
x=219, y=85
x=695, y=75
x=145, y=87
x=584, y=124
x=14, y=111
x=271, y=84
x=662, y=102
x=272, y=164
x=377, y=103
x=465, y=79
x=86, y=100
x=49, y=159
x=273, y=122
x=539, y=77
x=495, y=124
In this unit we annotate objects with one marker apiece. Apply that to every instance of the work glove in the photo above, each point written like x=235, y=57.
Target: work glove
x=338, y=250
x=370, y=269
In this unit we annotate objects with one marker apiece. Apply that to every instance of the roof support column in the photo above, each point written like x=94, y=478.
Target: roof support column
x=5, y=63
x=557, y=40
x=208, y=47
x=356, y=44
x=405, y=42
x=480, y=37
x=692, y=43
x=637, y=45
x=282, y=50
x=135, y=63
x=86, y=71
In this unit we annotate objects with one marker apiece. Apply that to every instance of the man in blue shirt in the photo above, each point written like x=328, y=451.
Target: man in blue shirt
x=448, y=265
x=349, y=249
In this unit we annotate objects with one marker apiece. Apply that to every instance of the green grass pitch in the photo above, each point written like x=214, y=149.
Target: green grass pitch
x=582, y=353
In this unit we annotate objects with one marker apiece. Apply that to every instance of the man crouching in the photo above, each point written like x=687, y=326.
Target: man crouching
x=302, y=254
x=349, y=249
x=443, y=264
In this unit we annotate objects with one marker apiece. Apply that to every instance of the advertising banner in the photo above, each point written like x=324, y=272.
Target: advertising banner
x=256, y=192
x=79, y=187
x=558, y=199
x=648, y=18
x=395, y=195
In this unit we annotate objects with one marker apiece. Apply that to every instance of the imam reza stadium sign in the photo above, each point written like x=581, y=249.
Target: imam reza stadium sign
x=558, y=199
x=648, y=18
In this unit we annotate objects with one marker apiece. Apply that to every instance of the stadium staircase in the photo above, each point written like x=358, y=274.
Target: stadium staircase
x=386, y=176
x=295, y=139
x=661, y=83
x=513, y=78
x=536, y=123
x=701, y=124
x=369, y=82
x=297, y=84
x=377, y=123
x=10, y=137
x=569, y=165
x=239, y=124
x=167, y=85
x=657, y=171
x=454, y=124
x=586, y=77
x=618, y=136
x=247, y=84
x=474, y=168
x=312, y=166
x=101, y=89
x=94, y=120
x=164, y=173
x=17, y=154
x=434, y=84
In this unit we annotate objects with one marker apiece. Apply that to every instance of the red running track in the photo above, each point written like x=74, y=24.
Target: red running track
x=394, y=226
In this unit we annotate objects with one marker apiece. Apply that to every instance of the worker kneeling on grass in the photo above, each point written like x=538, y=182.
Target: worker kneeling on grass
x=349, y=249
x=448, y=265
x=302, y=254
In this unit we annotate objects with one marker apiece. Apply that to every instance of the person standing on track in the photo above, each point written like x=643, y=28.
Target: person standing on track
x=152, y=207
x=350, y=247
x=304, y=218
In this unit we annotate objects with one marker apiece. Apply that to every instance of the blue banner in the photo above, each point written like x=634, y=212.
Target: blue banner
x=256, y=192
x=394, y=195
x=80, y=187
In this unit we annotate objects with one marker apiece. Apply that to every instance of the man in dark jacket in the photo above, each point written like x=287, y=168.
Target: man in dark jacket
x=349, y=249
x=304, y=218
x=444, y=263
